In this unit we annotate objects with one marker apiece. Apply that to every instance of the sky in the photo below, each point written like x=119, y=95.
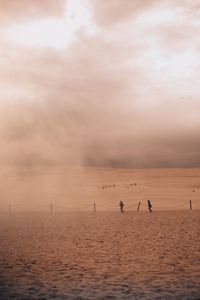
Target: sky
x=100, y=83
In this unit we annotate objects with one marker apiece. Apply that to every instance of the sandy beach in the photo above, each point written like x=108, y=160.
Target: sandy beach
x=74, y=253
x=77, y=189
x=103, y=255
x=99, y=110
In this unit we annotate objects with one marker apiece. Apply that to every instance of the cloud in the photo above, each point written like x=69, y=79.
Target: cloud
x=78, y=110
x=24, y=10
x=193, y=5
x=70, y=100
x=120, y=98
x=111, y=12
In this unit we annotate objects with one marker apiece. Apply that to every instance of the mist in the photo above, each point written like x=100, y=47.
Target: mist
x=121, y=96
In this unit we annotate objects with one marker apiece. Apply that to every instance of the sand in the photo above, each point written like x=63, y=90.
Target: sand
x=103, y=255
x=34, y=188
x=74, y=253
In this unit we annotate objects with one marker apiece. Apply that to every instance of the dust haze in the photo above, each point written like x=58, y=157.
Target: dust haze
x=124, y=95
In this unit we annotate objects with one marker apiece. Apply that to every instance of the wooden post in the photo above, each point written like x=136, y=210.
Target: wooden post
x=51, y=207
x=190, y=204
x=94, y=207
x=138, y=206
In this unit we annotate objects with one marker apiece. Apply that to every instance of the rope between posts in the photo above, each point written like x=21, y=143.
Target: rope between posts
x=96, y=206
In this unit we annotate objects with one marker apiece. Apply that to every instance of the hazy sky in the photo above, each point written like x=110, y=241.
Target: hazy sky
x=100, y=83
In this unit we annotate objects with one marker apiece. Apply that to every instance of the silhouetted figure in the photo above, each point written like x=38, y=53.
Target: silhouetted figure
x=121, y=205
x=149, y=205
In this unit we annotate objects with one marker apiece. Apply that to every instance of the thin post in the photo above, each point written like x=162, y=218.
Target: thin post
x=51, y=207
x=138, y=208
x=190, y=204
x=94, y=207
x=9, y=209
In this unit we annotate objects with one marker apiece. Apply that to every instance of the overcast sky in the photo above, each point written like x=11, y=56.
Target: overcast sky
x=100, y=83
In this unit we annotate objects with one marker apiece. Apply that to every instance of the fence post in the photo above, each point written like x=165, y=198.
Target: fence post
x=138, y=208
x=94, y=207
x=51, y=207
x=190, y=204
x=9, y=209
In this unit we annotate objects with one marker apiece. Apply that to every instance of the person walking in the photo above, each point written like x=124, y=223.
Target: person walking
x=149, y=205
x=121, y=205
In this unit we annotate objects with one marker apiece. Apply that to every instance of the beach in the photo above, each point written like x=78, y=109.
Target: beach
x=35, y=188
x=102, y=255
x=99, y=155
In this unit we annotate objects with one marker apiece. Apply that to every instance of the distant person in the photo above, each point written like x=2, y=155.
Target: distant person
x=149, y=205
x=121, y=205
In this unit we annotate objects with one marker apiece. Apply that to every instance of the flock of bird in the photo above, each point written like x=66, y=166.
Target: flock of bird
x=115, y=185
